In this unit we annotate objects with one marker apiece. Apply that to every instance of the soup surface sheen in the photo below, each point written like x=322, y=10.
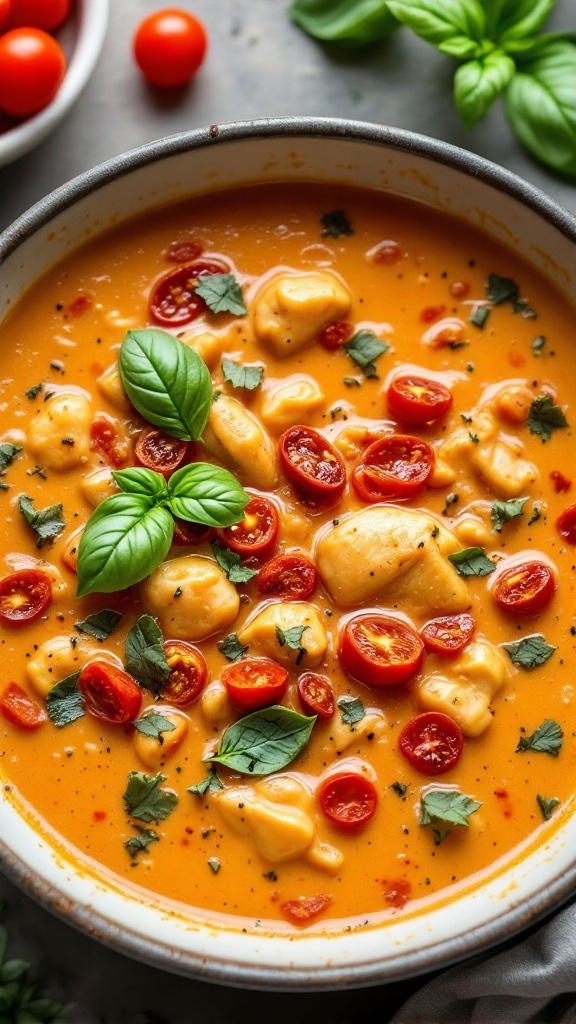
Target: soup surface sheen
x=399, y=395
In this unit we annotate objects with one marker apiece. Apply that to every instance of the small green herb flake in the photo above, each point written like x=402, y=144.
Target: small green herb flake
x=544, y=417
x=34, y=391
x=231, y=563
x=336, y=224
x=352, y=382
x=231, y=647
x=450, y=807
x=547, y=805
x=144, y=799
x=501, y=290
x=144, y=654
x=238, y=376
x=546, y=739
x=503, y=511
x=292, y=638
x=211, y=784
x=399, y=788
x=265, y=741
x=141, y=841
x=451, y=499
x=538, y=345
x=479, y=316
x=100, y=625
x=352, y=710
x=529, y=652
x=221, y=293
x=47, y=523
x=536, y=515
x=8, y=453
x=472, y=562
x=214, y=864
x=364, y=348
x=64, y=702
x=154, y=724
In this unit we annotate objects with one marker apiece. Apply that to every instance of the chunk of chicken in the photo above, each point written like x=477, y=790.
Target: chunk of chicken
x=291, y=401
x=154, y=750
x=466, y=693
x=191, y=597
x=261, y=634
x=59, y=436
x=494, y=457
x=236, y=437
x=291, y=308
x=57, y=658
x=98, y=485
x=111, y=387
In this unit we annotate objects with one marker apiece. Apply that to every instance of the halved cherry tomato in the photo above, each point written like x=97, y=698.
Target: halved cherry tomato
x=188, y=672
x=255, y=683
x=256, y=533
x=304, y=908
x=448, y=634
x=158, y=451
x=566, y=524
x=316, y=694
x=418, y=400
x=109, y=692
x=32, y=67
x=169, y=47
x=24, y=595
x=348, y=799
x=432, y=742
x=380, y=650
x=173, y=300
x=107, y=437
x=313, y=465
x=394, y=467
x=186, y=532
x=525, y=588
x=18, y=708
x=288, y=577
x=46, y=14
x=5, y=6
x=334, y=335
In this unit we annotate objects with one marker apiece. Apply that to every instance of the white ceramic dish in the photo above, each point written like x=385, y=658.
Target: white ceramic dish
x=519, y=890
x=82, y=39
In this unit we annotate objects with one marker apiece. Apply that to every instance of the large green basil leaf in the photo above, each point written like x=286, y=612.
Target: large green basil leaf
x=477, y=83
x=167, y=382
x=138, y=480
x=203, y=493
x=125, y=539
x=456, y=27
x=265, y=741
x=346, y=21
x=511, y=20
x=541, y=105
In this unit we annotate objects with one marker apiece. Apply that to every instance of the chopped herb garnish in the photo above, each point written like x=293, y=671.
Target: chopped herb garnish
x=536, y=515
x=144, y=654
x=538, y=345
x=546, y=739
x=529, y=652
x=352, y=382
x=451, y=807
x=503, y=511
x=64, y=702
x=100, y=625
x=37, y=471
x=364, y=348
x=352, y=709
x=8, y=453
x=544, y=417
x=214, y=864
x=231, y=647
x=46, y=523
x=34, y=391
x=231, y=563
x=141, y=841
x=248, y=377
x=501, y=290
x=292, y=638
x=547, y=805
x=144, y=799
x=221, y=293
x=472, y=562
x=473, y=437
x=335, y=224
x=479, y=316
x=399, y=788
x=211, y=784
x=451, y=499
x=154, y=724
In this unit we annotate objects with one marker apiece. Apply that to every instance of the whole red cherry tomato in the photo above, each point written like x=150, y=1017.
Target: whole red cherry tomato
x=448, y=634
x=393, y=468
x=32, y=67
x=18, y=708
x=432, y=742
x=313, y=465
x=525, y=588
x=255, y=683
x=256, y=533
x=348, y=799
x=109, y=692
x=173, y=301
x=288, y=577
x=418, y=400
x=158, y=451
x=186, y=532
x=380, y=650
x=169, y=47
x=24, y=595
x=566, y=524
x=188, y=672
x=334, y=335
x=316, y=694
x=46, y=14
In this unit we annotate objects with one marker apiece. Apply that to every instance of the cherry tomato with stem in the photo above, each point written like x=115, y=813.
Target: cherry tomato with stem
x=380, y=650
x=448, y=634
x=348, y=799
x=188, y=672
x=316, y=694
x=432, y=742
x=158, y=451
x=288, y=577
x=32, y=67
x=18, y=708
x=255, y=683
x=24, y=596
x=394, y=468
x=173, y=300
x=109, y=692
x=313, y=465
x=418, y=400
x=169, y=47
x=256, y=532
x=45, y=14
x=525, y=588
x=566, y=524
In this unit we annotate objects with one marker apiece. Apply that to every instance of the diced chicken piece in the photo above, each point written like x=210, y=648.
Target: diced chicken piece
x=59, y=436
x=466, y=694
x=214, y=703
x=262, y=636
x=98, y=485
x=236, y=437
x=191, y=598
x=495, y=458
x=207, y=345
x=473, y=532
x=111, y=387
x=369, y=728
x=57, y=658
x=393, y=553
x=154, y=750
x=291, y=401
x=512, y=402
x=291, y=309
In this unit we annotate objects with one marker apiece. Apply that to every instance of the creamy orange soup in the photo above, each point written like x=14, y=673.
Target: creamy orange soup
x=436, y=374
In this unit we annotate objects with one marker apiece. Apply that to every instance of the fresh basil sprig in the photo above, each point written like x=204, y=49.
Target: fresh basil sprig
x=265, y=741
x=352, y=22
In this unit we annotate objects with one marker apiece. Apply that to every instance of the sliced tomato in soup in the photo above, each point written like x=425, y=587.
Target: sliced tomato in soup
x=432, y=742
x=418, y=400
x=255, y=683
x=288, y=577
x=188, y=672
x=380, y=650
x=158, y=451
x=316, y=694
x=174, y=301
x=348, y=799
x=109, y=692
x=448, y=634
x=256, y=532
x=394, y=468
x=525, y=588
x=313, y=465
x=24, y=596
x=19, y=709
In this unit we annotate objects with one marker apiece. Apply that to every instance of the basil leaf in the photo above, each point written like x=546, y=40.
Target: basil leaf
x=203, y=493
x=47, y=523
x=292, y=638
x=544, y=417
x=100, y=625
x=221, y=293
x=529, y=652
x=64, y=702
x=503, y=511
x=541, y=109
x=141, y=841
x=231, y=647
x=472, y=562
x=153, y=724
x=167, y=382
x=347, y=21
x=125, y=539
x=451, y=807
x=456, y=27
x=336, y=224
x=501, y=289
x=211, y=784
x=265, y=741
x=352, y=709
x=144, y=654
x=510, y=20
x=547, y=805
x=248, y=377
x=364, y=348
x=8, y=453
x=138, y=480
x=546, y=739
x=144, y=799
x=231, y=563
x=478, y=83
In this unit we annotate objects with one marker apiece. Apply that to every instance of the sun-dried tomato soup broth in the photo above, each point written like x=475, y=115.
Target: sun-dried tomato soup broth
x=345, y=292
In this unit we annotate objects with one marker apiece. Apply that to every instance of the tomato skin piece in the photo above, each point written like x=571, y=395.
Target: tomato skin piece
x=255, y=683
x=45, y=14
x=316, y=694
x=380, y=650
x=256, y=533
x=173, y=300
x=302, y=909
x=109, y=692
x=19, y=709
x=32, y=67
x=418, y=400
x=106, y=438
x=566, y=524
x=312, y=464
x=448, y=634
x=188, y=673
x=158, y=451
x=525, y=588
x=432, y=742
x=24, y=596
x=348, y=799
x=186, y=532
x=288, y=577
x=169, y=47
x=394, y=468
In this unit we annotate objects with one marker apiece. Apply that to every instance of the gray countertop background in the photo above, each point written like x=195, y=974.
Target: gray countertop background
x=259, y=64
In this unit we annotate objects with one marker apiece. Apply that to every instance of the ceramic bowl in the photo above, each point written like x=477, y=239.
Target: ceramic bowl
x=82, y=39
x=518, y=891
